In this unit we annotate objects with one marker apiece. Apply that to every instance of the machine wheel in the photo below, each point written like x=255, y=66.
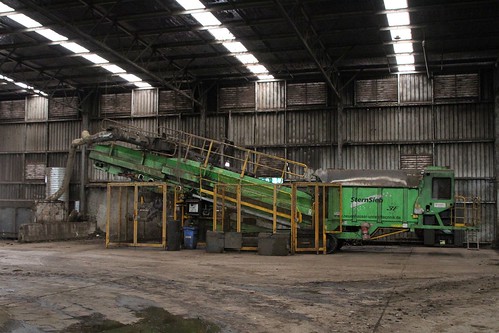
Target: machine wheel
x=332, y=244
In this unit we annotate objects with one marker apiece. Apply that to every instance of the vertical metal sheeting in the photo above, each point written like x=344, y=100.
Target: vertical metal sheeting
x=36, y=137
x=61, y=134
x=37, y=108
x=372, y=157
x=216, y=127
x=269, y=129
x=145, y=102
x=271, y=95
x=310, y=127
x=12, y=167
x=464, y=122
x=243, y=129
x=12, y=137
x=415, y=88
x=416, y=124
x=373, y=124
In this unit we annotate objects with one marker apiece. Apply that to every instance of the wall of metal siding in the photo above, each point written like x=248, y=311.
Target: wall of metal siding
x=37, y=108
x=314, y=157
x=172, y=123
x=385, y=157
x=10, y=191
x=310, y=127
x=36, y=137
x=61, y=134
x=474, y=160
x=464, y=121
x=33, y=191
x=146, y=124
x=415, y=88
x=237, y=98
x=271, y=95
x=215, y=127
x=12, y=138
x=145, y=102
x=269, y=128
x=371, y=124
x=12, y=167
x=242, y=129
x=481, y=188
x=488, y=225
x=416, y=123
x=191, y=124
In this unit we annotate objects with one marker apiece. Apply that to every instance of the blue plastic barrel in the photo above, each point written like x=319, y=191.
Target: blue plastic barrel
x=190, y=237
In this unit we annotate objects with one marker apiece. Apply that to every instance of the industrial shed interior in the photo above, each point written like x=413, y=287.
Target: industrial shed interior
x=332, y=84
x=300, y=101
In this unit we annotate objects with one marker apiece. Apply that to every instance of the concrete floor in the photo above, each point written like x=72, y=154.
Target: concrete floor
x=51, y=287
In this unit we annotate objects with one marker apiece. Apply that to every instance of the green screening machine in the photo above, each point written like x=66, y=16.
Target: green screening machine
x=356, y=205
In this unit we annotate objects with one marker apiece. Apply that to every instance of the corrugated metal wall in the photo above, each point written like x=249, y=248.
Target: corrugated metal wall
x=387, y=122
x=38, y=135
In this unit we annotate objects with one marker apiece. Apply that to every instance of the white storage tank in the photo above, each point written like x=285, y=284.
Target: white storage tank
x=54, y=178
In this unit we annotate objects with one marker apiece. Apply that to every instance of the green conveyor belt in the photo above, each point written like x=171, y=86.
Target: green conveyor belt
x=147, y=166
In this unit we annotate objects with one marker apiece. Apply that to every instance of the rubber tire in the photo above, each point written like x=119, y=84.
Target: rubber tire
x=332, y=244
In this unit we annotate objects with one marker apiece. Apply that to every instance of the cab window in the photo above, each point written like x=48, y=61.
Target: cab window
x=441, y=188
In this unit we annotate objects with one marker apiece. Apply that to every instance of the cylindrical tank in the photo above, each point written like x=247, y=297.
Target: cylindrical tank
x=54, y=177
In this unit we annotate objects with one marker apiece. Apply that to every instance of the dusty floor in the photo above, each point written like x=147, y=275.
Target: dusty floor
x=56, y=287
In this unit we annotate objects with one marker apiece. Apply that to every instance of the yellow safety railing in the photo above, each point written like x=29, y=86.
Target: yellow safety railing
x=222, y=154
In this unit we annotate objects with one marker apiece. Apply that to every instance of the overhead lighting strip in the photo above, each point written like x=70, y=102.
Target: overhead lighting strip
x=226, y=38
x=401, y=34
x=75, y=48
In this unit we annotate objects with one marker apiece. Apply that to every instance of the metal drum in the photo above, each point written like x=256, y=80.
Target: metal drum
x=54, y=178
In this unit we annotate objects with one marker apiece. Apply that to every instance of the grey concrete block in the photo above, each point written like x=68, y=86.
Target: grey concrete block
x=215, y=241
x=273, y=244
x=233, y=240
x=40, y=232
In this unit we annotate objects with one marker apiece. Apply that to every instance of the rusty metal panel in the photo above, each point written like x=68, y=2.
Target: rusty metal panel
x=310, y=127
x=146, y=124
x=12, y=137
x=61, y=134
x=237, y=98
x=12, y=110
x=145, y=102
x=464, y=121
x=215, y=127
x=269, y=129
x=37, y=108
x=416, y=123
x=242, y=129
x=36, y=137
x=171, y=101
x=12, y=167
x=385, y=157
x=64, y=108
x=312, y=93
x=376, y=90
x=415, y=88
x=456, y=86
x=271, y=95
x=415, y=161
x=371, y=124
x=470, y=160
x=115, y=105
